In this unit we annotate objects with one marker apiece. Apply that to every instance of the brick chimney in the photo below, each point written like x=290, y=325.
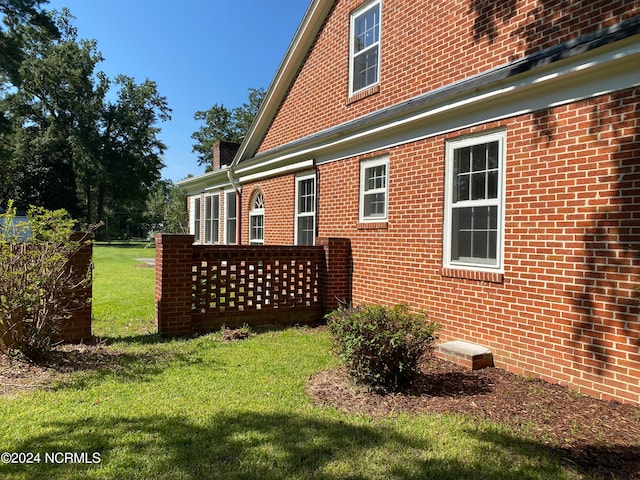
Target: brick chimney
x=223, y=153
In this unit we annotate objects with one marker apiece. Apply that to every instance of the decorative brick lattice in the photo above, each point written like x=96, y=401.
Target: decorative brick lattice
x=229, y=281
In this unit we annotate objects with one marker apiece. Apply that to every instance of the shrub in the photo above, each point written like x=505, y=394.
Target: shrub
x=381, y=346
x=38, y=288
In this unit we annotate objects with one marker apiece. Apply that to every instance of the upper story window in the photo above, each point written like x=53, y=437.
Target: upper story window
x=256, y=219
x=474, y=214
x=374, y=181
x=364, y=52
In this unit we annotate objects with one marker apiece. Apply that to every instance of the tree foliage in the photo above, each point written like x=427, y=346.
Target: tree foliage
x=71, y=137
x=21, y=19
x=167, y=208
x=221, y=123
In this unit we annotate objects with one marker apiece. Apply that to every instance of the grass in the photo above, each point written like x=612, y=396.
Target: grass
x=203, y=408
x=122, y=290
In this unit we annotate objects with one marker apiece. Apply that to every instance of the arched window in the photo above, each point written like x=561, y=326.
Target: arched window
x=256, y=219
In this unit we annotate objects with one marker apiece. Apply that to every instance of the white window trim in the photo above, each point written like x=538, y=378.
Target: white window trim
x=354, y=15
x=452, y=145
x=227, y=217
x=364, y=165
x=215, y=234
x=256, y=212
x=300, y=178
x=195, y=211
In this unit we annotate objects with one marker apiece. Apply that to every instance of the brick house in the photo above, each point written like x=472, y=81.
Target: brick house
x=483, y=158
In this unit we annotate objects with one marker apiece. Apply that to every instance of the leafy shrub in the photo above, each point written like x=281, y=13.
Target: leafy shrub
x=381, y=346
x=38, y=287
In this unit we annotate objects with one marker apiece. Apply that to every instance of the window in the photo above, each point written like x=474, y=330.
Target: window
x=305, y=228
x=256, y=219
x=364, y=54
x=195, y=217
x=374, y=180
x=211, y=218
x=231, y=218
x=474, y=200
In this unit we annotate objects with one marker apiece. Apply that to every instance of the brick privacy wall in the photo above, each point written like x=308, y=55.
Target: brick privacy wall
x=78, y=328
x=258, y=285
x=184, y=307
x=427, y=45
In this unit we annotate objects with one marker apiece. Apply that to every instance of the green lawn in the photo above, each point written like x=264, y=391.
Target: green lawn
x=123, y=299
x=203, y=408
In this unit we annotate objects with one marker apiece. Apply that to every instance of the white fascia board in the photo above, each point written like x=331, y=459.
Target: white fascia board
x=207, y=181
x=604, y=70
x=265, y=170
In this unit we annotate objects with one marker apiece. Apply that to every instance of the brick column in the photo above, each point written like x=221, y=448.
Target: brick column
x=336, y=277
x=78, y=328
x=174, y=256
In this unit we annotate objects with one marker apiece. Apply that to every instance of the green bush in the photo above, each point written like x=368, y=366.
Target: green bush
x=38, y=289
x=381, y=346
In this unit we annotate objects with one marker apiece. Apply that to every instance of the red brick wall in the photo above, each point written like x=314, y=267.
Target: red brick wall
x=566, y=309
x=263, y=285
x=279, y=216
x=426, y=45
x=78, y=327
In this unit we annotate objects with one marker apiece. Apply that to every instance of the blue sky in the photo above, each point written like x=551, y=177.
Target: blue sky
x=199, y=52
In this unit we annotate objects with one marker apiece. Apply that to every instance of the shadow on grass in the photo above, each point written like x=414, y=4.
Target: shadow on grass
x=99, y=361
x=619, y=462
x=278, y=446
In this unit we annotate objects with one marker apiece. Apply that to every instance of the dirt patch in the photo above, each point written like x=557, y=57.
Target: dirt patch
x=18, y=375
x=601, y=438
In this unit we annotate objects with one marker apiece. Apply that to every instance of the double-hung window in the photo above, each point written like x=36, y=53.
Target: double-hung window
x=256, y=219
x=305, y=227
x=231, y=217
x=374, y=182
x=364, y=51
x=474, y=216
x=211, y=218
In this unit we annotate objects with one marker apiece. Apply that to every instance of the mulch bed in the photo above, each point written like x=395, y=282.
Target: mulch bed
x=600, y=438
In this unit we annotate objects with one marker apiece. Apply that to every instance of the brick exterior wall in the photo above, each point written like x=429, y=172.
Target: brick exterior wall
x=566, y=307
x=78, y=328
x=279, y=223
x=424, y=48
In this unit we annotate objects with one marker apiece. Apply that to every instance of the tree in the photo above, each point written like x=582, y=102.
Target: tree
x=53, y=113
x=224, y=124
x=20, y=19
x=66, y=145
x=167, y=207
x=129, y=151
